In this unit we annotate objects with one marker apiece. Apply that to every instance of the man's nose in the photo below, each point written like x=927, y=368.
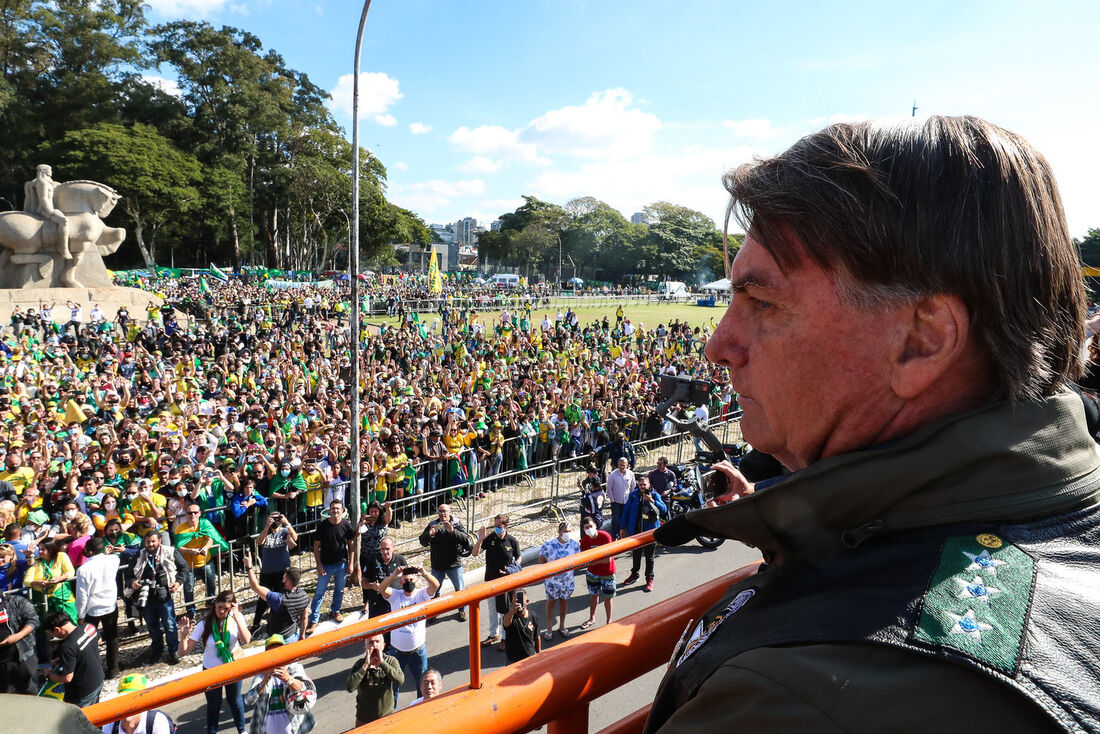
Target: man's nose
x=726, y=344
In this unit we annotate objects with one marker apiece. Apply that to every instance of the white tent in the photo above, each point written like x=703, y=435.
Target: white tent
x=718, y=285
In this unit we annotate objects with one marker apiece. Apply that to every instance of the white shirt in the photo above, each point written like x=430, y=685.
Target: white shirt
x=160, y=725
x=210, y=657
x=619, y=485
x=96, y=592
x=411, y=636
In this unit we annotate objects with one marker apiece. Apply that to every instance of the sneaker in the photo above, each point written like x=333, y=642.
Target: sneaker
x=337, y=617
x=462, y=617
x=172, y=658
x=649, y=585
x=630, y=579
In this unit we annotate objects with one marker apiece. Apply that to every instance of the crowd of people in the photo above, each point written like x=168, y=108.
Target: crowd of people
x=141, y=451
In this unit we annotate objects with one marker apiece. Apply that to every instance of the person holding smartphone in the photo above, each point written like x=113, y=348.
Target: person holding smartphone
x=521, y=630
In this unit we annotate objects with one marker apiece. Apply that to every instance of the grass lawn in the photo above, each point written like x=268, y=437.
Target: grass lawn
x=648, y=315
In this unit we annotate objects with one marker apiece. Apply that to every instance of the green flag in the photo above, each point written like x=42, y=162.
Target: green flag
x=207, y=529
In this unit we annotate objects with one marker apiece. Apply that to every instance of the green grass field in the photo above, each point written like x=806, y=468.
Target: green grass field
x=647, y=315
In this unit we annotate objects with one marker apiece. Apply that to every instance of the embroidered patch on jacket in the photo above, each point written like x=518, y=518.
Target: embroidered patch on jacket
x=978, y=600
x=700, y=633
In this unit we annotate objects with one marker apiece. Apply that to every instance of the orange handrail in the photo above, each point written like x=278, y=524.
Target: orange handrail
x=211, y=678
x=558, y=683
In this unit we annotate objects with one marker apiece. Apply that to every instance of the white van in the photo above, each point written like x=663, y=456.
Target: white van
x=505, y=280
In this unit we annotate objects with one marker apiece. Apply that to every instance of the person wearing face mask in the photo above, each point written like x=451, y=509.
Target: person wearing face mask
x=107, y=511
x=501, y=551
x=599, y=577
x=408, y=642
x=558, y=588
x=286, y=487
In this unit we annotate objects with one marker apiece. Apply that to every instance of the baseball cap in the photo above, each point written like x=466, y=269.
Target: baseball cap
x=274, y=641
x=37, y=517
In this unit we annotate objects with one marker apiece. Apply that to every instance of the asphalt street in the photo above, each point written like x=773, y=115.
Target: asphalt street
x=677, y=570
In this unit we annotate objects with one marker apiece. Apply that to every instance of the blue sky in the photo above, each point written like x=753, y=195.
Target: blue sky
x=472, y=103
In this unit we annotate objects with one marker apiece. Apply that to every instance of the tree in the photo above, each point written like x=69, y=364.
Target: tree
x=1089, y=248
x=676, y=234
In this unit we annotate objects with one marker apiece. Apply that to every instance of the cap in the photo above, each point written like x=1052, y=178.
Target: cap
x=274, y=641
x=37, y=517
x=133, y=682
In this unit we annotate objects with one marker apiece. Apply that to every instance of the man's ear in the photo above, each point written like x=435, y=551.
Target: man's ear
x=935, y=336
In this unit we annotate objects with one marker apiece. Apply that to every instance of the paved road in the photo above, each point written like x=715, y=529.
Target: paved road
x=677, y=570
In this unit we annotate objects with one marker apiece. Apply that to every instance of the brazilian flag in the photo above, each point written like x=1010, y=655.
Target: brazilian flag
x=206, y=529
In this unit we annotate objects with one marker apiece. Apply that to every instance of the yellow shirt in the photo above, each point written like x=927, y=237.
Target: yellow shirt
x=19, y=478
x=141, y=506
x=315, y=482
x=60, y=566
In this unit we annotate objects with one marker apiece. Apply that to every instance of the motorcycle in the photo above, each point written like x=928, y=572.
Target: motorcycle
x=687, y=495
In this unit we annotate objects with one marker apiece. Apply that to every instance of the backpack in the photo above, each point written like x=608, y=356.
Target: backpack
x=150, y=719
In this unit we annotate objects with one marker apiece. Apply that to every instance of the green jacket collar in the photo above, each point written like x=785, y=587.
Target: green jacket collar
x=1002, y=462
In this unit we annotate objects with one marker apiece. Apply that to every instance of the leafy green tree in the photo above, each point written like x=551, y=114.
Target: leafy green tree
x=676, y=234
x=1089, y=247
x=157, y=181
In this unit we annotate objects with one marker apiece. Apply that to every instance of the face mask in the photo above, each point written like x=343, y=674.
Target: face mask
x=590, y=531
x=181, y=492
x=110, y=505
x=408, y=586
x=563, y=537
x=173, y=482
x=70, y=514
x=498, y=531
x=285, y=472
x=131, y=497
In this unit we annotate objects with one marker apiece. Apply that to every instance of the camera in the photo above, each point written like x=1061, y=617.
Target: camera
x=410, y=571
x=141, y=594
x=698, y=392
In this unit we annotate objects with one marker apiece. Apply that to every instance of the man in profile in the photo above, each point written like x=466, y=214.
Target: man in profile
x=907, y=311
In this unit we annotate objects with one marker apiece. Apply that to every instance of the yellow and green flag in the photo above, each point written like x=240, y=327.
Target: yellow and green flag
x=435, y=280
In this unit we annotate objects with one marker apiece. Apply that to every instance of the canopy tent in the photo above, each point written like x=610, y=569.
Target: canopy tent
x=718, y=285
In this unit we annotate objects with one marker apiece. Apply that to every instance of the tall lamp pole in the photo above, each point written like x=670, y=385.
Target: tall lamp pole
x=353, y=268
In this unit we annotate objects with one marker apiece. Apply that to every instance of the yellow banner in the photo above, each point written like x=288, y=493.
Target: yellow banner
x=435, y=281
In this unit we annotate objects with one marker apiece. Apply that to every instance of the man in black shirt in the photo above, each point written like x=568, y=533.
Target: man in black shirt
x=334, y=552
x=449, y=542
x=376, y=604
x=501, y=550
x=521, y=630
x=78, y=665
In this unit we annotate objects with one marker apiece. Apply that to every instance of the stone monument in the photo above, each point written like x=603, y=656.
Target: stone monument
x=53, y=250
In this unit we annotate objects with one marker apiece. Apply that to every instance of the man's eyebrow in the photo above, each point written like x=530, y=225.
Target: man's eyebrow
x=759, y=280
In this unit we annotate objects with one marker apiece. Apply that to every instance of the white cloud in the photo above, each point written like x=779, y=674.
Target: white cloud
x=189, y=8
x=386, y=120
x=401, y=166
x=606, y=126
x=377, y=93
x=494, y=140
x=481, y=164
x=428, y=198
x=419, y=128
x=168, y=86
x=755, y=128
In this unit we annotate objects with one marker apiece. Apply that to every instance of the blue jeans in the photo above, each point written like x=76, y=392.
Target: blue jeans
x=616, y=518
x=414, y=664
x=160, y=618
x=214, y=707
x=454, y=574
x=207, y=576
x=339, y=571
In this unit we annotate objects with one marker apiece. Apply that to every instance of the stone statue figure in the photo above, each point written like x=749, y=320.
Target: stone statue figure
x=59, y=239
x=38, y=200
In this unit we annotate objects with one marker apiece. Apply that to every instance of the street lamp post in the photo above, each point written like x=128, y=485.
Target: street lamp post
x=353, y=267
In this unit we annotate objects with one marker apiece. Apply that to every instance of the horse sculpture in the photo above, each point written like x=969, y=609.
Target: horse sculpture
x=32, y=258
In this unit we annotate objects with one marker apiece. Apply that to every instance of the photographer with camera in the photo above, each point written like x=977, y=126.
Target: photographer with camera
x=275, y=542
x=521, y=630
x=643, y=511
x=407, y=642
x=159, y=573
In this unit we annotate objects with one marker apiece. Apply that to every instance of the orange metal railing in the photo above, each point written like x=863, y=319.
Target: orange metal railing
x=556, y=686
x=168, y=692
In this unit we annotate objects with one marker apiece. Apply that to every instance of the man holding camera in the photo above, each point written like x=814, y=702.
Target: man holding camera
x=448, y=541
x=642, y=511
x=521, y=630
x=275, y=542
x=159, y=573
x=408, y=642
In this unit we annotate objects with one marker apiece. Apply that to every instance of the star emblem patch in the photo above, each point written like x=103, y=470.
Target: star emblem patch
x=976, y=589
x=967, y=624
x=984, y=562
